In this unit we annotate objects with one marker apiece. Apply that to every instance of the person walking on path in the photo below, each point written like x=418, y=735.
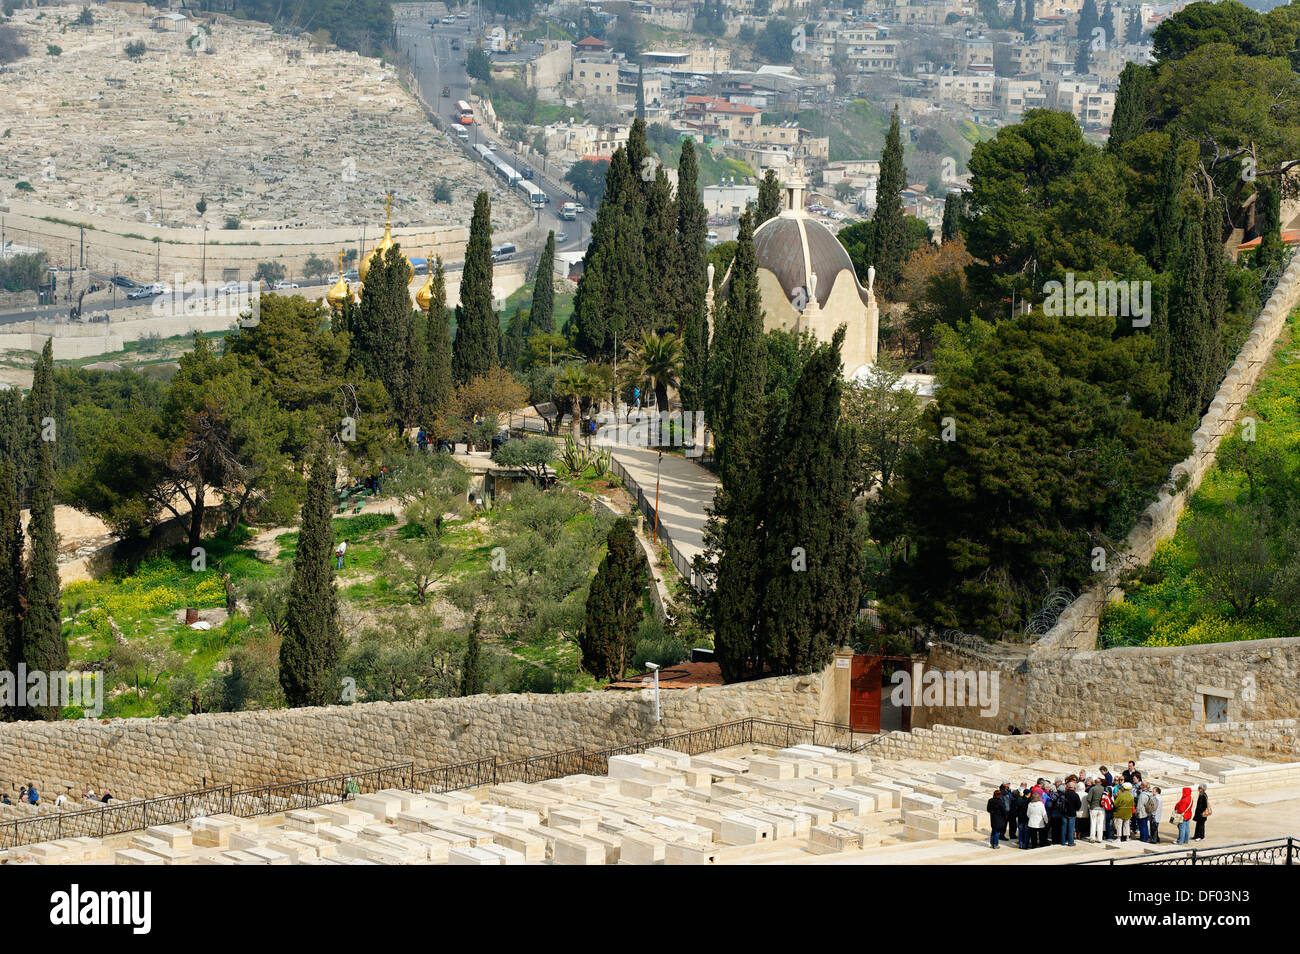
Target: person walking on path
x=997, y=810
x=1203, y=811
x=339, y=552
x=1183, y=816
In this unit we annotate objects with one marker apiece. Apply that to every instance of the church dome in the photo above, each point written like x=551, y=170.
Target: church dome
x=793, y=246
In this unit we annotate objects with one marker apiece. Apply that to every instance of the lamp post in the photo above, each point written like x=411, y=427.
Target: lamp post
x=654, y=668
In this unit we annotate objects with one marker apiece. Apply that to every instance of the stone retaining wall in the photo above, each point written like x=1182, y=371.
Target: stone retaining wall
x=1128, y=687
x=1274, y=740
x=146, y=757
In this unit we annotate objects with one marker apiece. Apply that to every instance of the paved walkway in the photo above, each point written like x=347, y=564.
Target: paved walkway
x=685, y=492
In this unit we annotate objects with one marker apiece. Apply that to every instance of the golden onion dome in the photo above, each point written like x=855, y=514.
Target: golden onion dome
x=337, y=295
x=379, y=251
x=424, y=295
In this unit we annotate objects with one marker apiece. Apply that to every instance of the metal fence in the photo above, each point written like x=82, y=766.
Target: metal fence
x=285, y=796
x=114, y=819
x=1275, y=851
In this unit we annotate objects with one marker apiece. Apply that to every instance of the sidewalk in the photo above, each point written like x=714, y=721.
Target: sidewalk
x=685, y=492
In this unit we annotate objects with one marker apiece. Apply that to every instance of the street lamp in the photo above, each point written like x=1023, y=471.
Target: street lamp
x=654, y=668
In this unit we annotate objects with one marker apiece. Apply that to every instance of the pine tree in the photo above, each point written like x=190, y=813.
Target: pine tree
x=541, y=314
x=12, y=574
x=888, y=230
x=477, y=326
x=313, y=641
x=41, y=643
x=769, y=197
x=1130, y=116
x=608, y=637
x=472, y=682
x=811, y=557
x=384, y=334
x=437, y=337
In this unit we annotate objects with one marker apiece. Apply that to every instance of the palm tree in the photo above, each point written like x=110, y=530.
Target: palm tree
x=578, y=387
x=658, y=360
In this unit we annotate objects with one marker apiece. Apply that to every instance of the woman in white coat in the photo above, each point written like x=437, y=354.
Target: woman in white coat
x=1037, y=823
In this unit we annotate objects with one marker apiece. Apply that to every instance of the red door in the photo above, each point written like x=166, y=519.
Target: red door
x=864, y=694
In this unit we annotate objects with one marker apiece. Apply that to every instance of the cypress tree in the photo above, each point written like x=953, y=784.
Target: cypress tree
x=12, y=574
x=734, y=531
x=662, y=253
x=437, y=338
x=541, y=314
x=1018, y=15
x=313, y=641
x=1216, y=297
x=1190, y=347
x=640, y=93
x=888, y=231
x=1167, y=211
x=613, y=296
x=769, y=197
x=384, y=334
x=1130, y=116
x=812, y=560
x=1088, y=20
x=477, y=326
x=692, y=279
x=1081, y=58
x=1133, y=31
x=1268, y=223
x=512, y=342
x=952, y=206
x=608, y=637
x=638, y=152
x=41, y=643
x=472, y=682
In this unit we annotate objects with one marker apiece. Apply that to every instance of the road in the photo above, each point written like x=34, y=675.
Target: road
x=437, y=65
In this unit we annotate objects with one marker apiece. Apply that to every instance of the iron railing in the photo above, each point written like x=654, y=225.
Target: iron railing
x=274, y=797
x=116, y=818
x=1275, y=851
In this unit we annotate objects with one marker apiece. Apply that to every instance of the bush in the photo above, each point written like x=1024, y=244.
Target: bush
x=135, y=50
x=353, y=529
x=654, y=645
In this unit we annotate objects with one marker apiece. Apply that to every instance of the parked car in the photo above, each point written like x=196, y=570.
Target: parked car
x=352, y=275
x=527, y=172
x=455, y=43
x=449, y=19
x=123, y=282
x=561, y=236
x=140, y=291
x=282, y=285
x=446, y=92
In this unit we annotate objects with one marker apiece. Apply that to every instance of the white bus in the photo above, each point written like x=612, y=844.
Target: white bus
x=532, y=193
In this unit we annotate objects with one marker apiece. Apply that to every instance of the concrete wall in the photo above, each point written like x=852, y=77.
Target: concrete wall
x=145, y=757
x=1077, y=626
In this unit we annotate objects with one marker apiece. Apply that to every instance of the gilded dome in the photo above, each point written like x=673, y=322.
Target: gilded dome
x=337, y=295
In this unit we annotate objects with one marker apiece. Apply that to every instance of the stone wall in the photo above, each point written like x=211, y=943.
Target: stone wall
x=1128, y=687
x=145, y=757
x=1272, y=740
x=1077, y=626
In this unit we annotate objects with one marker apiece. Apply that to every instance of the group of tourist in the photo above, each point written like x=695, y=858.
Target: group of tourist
x=1101, y=807
x=28, y=795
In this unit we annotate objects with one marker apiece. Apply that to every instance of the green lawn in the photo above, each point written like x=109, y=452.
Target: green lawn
x=1172, y=602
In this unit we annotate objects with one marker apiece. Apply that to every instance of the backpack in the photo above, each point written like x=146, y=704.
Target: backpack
x=1107, y=802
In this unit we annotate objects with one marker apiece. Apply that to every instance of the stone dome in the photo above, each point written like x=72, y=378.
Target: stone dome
x=793, y=246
